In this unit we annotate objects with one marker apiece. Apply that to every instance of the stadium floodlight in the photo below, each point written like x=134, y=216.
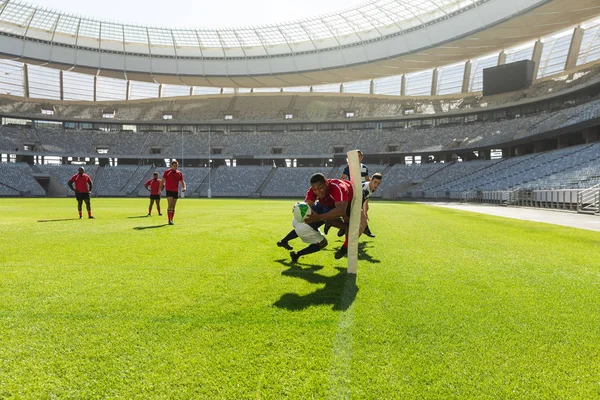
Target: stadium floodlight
x=355, y=211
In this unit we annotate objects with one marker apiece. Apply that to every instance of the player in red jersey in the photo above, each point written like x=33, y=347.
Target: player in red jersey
x=335, y=198
x=170, y=181
x=83, y=187
x=153, y=186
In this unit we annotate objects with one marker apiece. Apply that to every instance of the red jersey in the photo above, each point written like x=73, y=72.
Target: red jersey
x=337, y=190
x=154, y=186
x=172, y=179
x=81, y=182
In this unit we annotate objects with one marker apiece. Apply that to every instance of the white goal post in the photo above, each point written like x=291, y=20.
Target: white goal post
x=355, y=211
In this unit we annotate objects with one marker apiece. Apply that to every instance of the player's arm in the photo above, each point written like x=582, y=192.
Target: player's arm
x=162, y=185
x=338, y=211
x=346, y=173
x=183, y=187
x=90, y=185
x=70, y=184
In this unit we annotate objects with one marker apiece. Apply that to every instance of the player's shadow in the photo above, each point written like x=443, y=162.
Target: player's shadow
x=139, y=216
x=141, y=228
x=339, y=290
x=57, y=220
x=363, y=255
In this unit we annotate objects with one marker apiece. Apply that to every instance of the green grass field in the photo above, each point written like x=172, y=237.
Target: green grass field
x=446, y=305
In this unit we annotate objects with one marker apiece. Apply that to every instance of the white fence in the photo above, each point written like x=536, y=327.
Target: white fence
x=580, y=200
x=588, y=200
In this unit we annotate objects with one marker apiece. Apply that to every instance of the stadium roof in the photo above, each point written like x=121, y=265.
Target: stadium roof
x=377, y=39
x=371, y=15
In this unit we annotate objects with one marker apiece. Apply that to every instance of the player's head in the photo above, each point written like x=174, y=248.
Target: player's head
x=174, y=164
x=81, y=170
x=375, y=180
x=360, y=155
x=319, y=184
x=155, y=174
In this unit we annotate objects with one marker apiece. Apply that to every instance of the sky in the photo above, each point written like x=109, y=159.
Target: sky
x=197, y=13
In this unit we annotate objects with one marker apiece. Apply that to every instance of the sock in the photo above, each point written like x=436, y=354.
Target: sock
x=313, y=248
x=80, y=213
x=346, y=241
x=290, y=236
x=90, y=213
x=170, y=214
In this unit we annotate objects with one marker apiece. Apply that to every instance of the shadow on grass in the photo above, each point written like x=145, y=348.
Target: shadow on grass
x=58, y=220
x=363, y=255
x=339, y=290
x=141, y=228
x=139, y=216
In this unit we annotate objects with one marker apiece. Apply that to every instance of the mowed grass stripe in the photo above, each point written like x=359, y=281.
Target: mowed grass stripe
x=447, y=304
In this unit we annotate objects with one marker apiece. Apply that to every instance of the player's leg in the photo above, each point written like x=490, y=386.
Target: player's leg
x=158, y=205
x=312, y=248
x=79, y=205
x=171, y=211
x=171, y=201
x=308, y=235
x=150, y=206
x=284, y=242
x=88, y=206
x=169, y=208
x=344, y=249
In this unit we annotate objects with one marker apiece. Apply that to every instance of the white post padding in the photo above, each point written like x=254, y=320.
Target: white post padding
x=355, y=211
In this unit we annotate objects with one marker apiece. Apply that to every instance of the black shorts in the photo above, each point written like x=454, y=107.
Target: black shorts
x=174, y=195
x=82, y=196
x=155, y=197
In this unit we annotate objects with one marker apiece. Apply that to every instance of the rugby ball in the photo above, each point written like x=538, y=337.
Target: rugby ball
x=301, y=211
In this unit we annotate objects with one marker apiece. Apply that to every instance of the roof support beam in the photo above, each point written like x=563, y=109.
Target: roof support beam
x=403, y=86
x=538, y=49
x=502, y=58
x=26, y=81
x=434, y=82
x=467, y=77
x=61, y=83
x=575, y=48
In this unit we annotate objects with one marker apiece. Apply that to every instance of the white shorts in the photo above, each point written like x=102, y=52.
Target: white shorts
x=307, y=233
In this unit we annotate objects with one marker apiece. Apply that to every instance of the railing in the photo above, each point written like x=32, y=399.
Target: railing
x=588, y=200
x=559, y=199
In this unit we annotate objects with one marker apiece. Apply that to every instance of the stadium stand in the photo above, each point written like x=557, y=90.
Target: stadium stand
x=241, y=181
x=417, y=137
x=292, y=182
x=16, y=179
x=63, y=173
